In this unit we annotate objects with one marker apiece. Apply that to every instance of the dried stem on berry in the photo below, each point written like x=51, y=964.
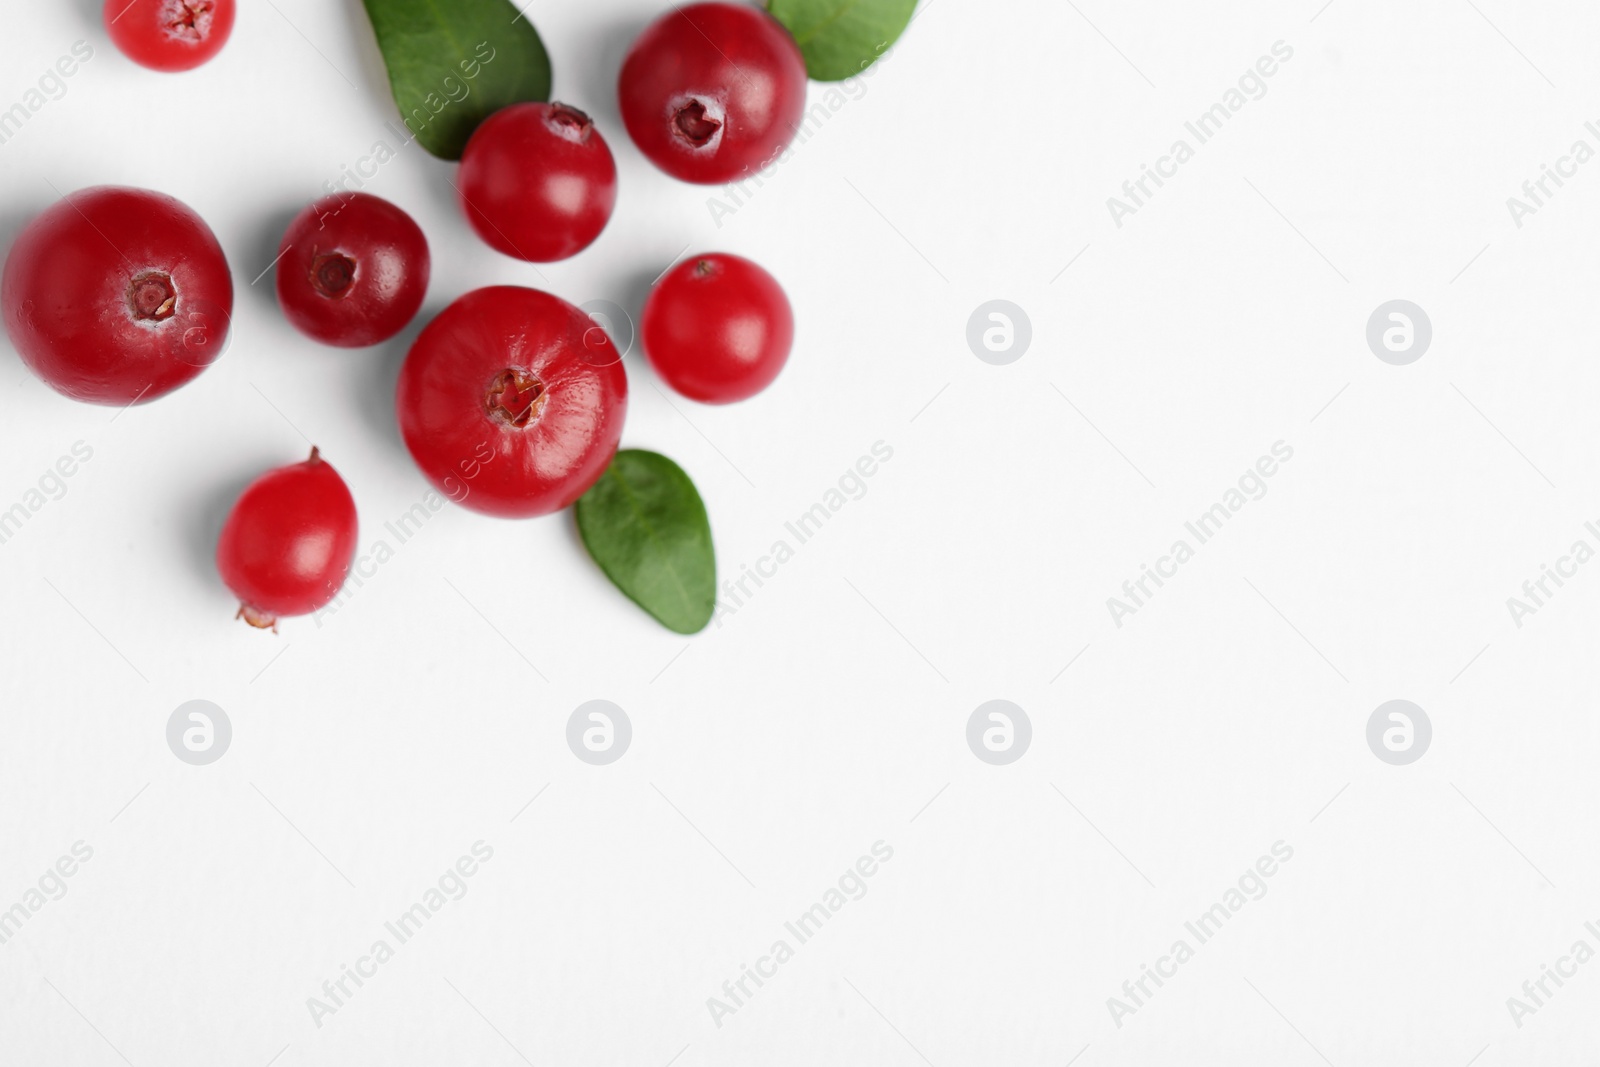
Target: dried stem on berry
x=257, y=618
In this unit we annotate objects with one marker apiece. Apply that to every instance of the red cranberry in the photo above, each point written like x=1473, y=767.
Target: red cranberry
x=512, y=394
x=353, y=270
x=713, y=91
x=117, y=295
x=288, y=542
x=169, y=35
x=538, y=182
x=717, y=328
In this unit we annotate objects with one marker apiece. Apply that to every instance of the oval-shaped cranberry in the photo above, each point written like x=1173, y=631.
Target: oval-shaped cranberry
x=288, y=543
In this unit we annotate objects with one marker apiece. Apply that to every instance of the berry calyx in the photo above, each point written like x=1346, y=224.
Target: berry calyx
x=333, y=274
x=190, y=19
x=151, y=296
x=694, y=125
x=570, y=122
x=515, y=397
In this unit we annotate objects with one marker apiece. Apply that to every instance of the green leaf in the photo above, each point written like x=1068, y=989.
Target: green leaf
x=646, y=526
x=842, y=37
x=453, y=63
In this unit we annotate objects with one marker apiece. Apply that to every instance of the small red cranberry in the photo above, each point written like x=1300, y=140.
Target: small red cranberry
x=169, y=35
x=352, y=270
x=289, y=541
x=717, y=328
x=537, y=181
x=713, y=91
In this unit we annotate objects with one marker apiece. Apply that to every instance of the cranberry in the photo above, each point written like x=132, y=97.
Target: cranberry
x=713, y=91
x=538, y=182
x=169, y=34
x=117, y=295
x=352, y=270
x=288, y=542
x=717, y=328
x=513, y=394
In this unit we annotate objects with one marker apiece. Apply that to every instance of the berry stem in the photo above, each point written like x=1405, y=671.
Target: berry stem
x=257, y=618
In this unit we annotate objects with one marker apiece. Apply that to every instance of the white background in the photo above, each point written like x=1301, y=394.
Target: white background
x=771, y=751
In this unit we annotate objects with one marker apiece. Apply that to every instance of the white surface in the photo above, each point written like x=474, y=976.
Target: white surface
x=826, y=712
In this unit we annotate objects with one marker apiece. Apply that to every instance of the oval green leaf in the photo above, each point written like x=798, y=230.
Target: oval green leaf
x=646, y=526
x=839, y=38
x=453, y=63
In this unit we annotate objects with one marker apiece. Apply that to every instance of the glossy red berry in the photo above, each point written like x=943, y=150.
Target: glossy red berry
x=512, y=402
x=352, y=270
x=169, y=34
x=288, y=542
x=537, y=181
x=115, y=295
x=711, y=92
x=717, y=328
